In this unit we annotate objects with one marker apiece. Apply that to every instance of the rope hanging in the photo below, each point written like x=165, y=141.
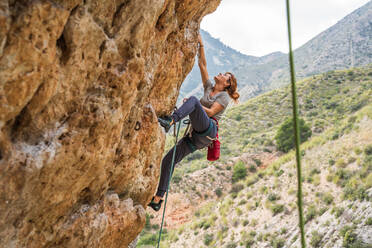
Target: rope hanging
x=296, y=131
x=166, y=196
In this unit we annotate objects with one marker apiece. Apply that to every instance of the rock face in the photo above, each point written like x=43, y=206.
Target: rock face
x=81, y=86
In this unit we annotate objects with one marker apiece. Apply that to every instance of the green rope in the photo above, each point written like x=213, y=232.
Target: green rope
x=166, y=196
x=296, y=130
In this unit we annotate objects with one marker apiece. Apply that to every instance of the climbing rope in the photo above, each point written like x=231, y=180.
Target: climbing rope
x=296, y=131
x=166, y=196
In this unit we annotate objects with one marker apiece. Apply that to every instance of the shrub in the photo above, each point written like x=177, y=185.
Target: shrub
x=205, y=224
x=369, y=181
x=311, y=213
x=238, y=211
x=273, y=197
x=354, y=192
x=314, y=171
x=263, y=189
x=357, y=150
x=147, y=223
x=176, y=178
x=257, y=161
x=327, y=198
x=277, y=243
x=331, y=162
x=279, y=173
x=148, y=239
x=338, y=211
x=349, y=238
x=208, y=238
x=285, y=137
x=277, y=208
x=316, y=239
x=218, y=192
x=252, y=168
x=239, y=171
x=341, y=163
x=231, y=245
x=249, y=242
x=369, y=221
x=368, y=150
x=329, y=177
x=238, y=117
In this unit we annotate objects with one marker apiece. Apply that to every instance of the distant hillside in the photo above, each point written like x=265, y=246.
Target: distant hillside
x=346, y=44
x=258, y=209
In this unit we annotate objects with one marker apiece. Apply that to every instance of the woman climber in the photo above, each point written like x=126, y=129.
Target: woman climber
x=212, y=104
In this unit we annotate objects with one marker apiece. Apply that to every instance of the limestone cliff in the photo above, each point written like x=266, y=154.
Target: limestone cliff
x=81, y=86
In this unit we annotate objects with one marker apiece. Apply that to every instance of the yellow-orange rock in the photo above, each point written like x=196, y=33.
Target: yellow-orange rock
x=81, y=86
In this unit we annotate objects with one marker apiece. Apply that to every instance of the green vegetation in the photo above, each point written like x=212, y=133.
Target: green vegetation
x=239, y=171
x=218, y=192
x=285, y=138
x=311, y=213
x=273, y=197
x=148, y=239
x=277, y=208
x=369, y=221
x=277, y=243
x=316, y=239
x=327, y=198
x=208, y=238
x=350, y=239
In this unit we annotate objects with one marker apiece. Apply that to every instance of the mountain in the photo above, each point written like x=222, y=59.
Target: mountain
x=207, y=208
x=346, y=44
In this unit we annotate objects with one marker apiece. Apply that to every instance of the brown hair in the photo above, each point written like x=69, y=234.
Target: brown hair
x=232, y=89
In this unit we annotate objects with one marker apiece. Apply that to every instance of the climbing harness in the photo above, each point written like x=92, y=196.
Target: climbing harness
x=296, y=130
x=189, y=131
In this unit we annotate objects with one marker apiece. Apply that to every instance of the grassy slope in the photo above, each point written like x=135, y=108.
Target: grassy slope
x=337, y=176
x=323, y=101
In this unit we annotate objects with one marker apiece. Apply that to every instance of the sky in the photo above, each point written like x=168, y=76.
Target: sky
x=259, y=27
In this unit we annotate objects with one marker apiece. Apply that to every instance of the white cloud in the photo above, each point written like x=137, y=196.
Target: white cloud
x=258, y=27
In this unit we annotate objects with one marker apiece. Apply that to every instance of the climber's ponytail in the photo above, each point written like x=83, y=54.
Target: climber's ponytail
x=232, y=90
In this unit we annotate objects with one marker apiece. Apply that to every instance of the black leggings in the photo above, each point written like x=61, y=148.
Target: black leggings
x=200, y=123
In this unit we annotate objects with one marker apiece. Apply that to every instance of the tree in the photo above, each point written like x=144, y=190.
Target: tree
x=285, y=137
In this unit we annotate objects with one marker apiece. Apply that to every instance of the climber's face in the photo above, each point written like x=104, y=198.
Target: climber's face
x=223, y=80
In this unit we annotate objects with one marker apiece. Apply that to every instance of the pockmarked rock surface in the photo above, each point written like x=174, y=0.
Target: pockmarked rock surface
x=81, y=86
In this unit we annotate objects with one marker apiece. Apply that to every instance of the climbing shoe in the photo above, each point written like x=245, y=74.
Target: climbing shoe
x=165, y=122
x=155, y=206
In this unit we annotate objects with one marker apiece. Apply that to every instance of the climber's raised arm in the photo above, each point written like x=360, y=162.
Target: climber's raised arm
x=202, y=62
